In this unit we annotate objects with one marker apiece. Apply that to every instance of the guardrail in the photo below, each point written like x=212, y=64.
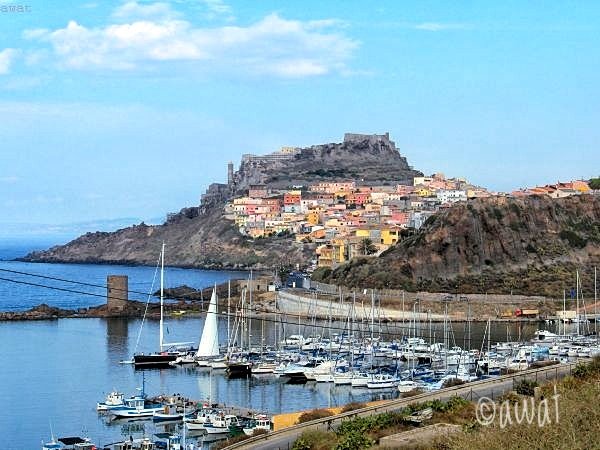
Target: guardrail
x=331, y=422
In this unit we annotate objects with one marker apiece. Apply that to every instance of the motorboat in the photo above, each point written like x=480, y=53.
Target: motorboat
x=113, y=400
x=409, y=385
x=258, y=422
x=137, y=407
x=221, y=423
x=382, y=381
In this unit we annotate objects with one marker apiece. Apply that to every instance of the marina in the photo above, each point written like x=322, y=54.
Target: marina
x=233, y=372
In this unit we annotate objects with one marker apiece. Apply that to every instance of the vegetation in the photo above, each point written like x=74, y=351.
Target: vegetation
x=314, y=414
x=366, y=247
x=363, y=432
x=525, y=387
x=353, y=406
x=573, y=238
x=315, y=440
x=595, y=183
x=578, y=426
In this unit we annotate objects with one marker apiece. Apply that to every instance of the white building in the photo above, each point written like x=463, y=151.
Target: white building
x=451, y=196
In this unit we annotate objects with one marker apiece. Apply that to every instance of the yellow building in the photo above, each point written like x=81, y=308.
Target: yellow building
x=390, y=236
x=424, y=192
x=313, y=218
x=324, y=256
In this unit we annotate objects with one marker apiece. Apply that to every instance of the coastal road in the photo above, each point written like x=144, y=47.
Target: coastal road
x=490, y=388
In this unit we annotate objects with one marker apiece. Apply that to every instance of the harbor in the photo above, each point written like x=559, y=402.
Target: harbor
x=182, y=377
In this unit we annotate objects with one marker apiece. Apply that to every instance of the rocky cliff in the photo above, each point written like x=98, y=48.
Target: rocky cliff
x=370, y=158
x=529, y=245
x=202, y=237
x=192, y=240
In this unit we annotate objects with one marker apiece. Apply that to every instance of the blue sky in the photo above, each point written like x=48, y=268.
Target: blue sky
x=129, y=109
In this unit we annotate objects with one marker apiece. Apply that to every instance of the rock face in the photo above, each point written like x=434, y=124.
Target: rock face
x=529, y=246
x=202, y=237
x=192, y=240
x=371, y=158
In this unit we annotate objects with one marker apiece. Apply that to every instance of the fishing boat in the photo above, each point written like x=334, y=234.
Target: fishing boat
x=258, y=422
x=137, y=407
x=221, y=423
x=113, y=400
x=202, y=417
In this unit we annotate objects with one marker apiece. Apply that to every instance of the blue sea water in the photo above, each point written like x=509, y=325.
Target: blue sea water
x=53, y=372
x=142, y=280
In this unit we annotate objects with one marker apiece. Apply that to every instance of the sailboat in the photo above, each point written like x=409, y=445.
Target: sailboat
x=208, y=348
x=162, y=358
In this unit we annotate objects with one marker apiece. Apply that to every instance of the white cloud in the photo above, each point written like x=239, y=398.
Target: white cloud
x=135, y=10
x=273, y=45
x=436, y=26
x=218, y=8
x=7, y=57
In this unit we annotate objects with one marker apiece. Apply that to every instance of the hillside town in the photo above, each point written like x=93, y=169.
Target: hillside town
x=347, y=218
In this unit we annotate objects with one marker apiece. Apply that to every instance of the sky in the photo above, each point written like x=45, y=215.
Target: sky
x=129, y=109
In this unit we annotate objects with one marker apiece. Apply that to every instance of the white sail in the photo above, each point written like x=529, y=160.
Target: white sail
x=209, y=342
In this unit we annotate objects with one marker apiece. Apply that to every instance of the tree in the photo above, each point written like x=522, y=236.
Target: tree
x=367, y=247
x=595, y=183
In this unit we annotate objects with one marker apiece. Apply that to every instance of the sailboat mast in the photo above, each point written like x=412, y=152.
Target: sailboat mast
x=250, y=314
x=228, y=311
x=595, y=307
x=577, y=297
x=162, y=282
x=564, y=313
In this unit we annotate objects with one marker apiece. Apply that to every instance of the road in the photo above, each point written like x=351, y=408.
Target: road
x=491, y=388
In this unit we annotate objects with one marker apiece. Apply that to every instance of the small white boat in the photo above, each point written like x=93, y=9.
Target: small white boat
x=259, y=422
x=408, y=385
x=323, y=377
x=184, y=360
x=113, y=400
x=218, y=364
x=202, y=418
x=360, y=379
x=263, y=368
x=136, y=407
x=340, y=378
x=220, y=423
x=382, y=381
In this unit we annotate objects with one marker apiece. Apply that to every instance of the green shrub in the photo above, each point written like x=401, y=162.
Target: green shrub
x=574, y=239
x=525, y=387
x=311, y=440
x=354, y=440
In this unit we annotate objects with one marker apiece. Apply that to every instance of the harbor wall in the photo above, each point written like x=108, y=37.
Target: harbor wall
x=311, y=306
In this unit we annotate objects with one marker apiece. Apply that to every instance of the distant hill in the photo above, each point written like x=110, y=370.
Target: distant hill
x=201, y=237
x=530, y=245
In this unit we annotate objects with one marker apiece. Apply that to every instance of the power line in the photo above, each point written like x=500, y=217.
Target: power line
x=400, y=329
x=223, y=313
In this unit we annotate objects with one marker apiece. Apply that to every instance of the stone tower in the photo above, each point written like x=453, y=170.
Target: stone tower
x=230, y=174
x=117, y=291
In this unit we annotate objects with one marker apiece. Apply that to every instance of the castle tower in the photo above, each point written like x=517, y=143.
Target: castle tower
x=230, y=174
x=117, y=291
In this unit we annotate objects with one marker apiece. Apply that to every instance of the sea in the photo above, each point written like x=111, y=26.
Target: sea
x=53, y=372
